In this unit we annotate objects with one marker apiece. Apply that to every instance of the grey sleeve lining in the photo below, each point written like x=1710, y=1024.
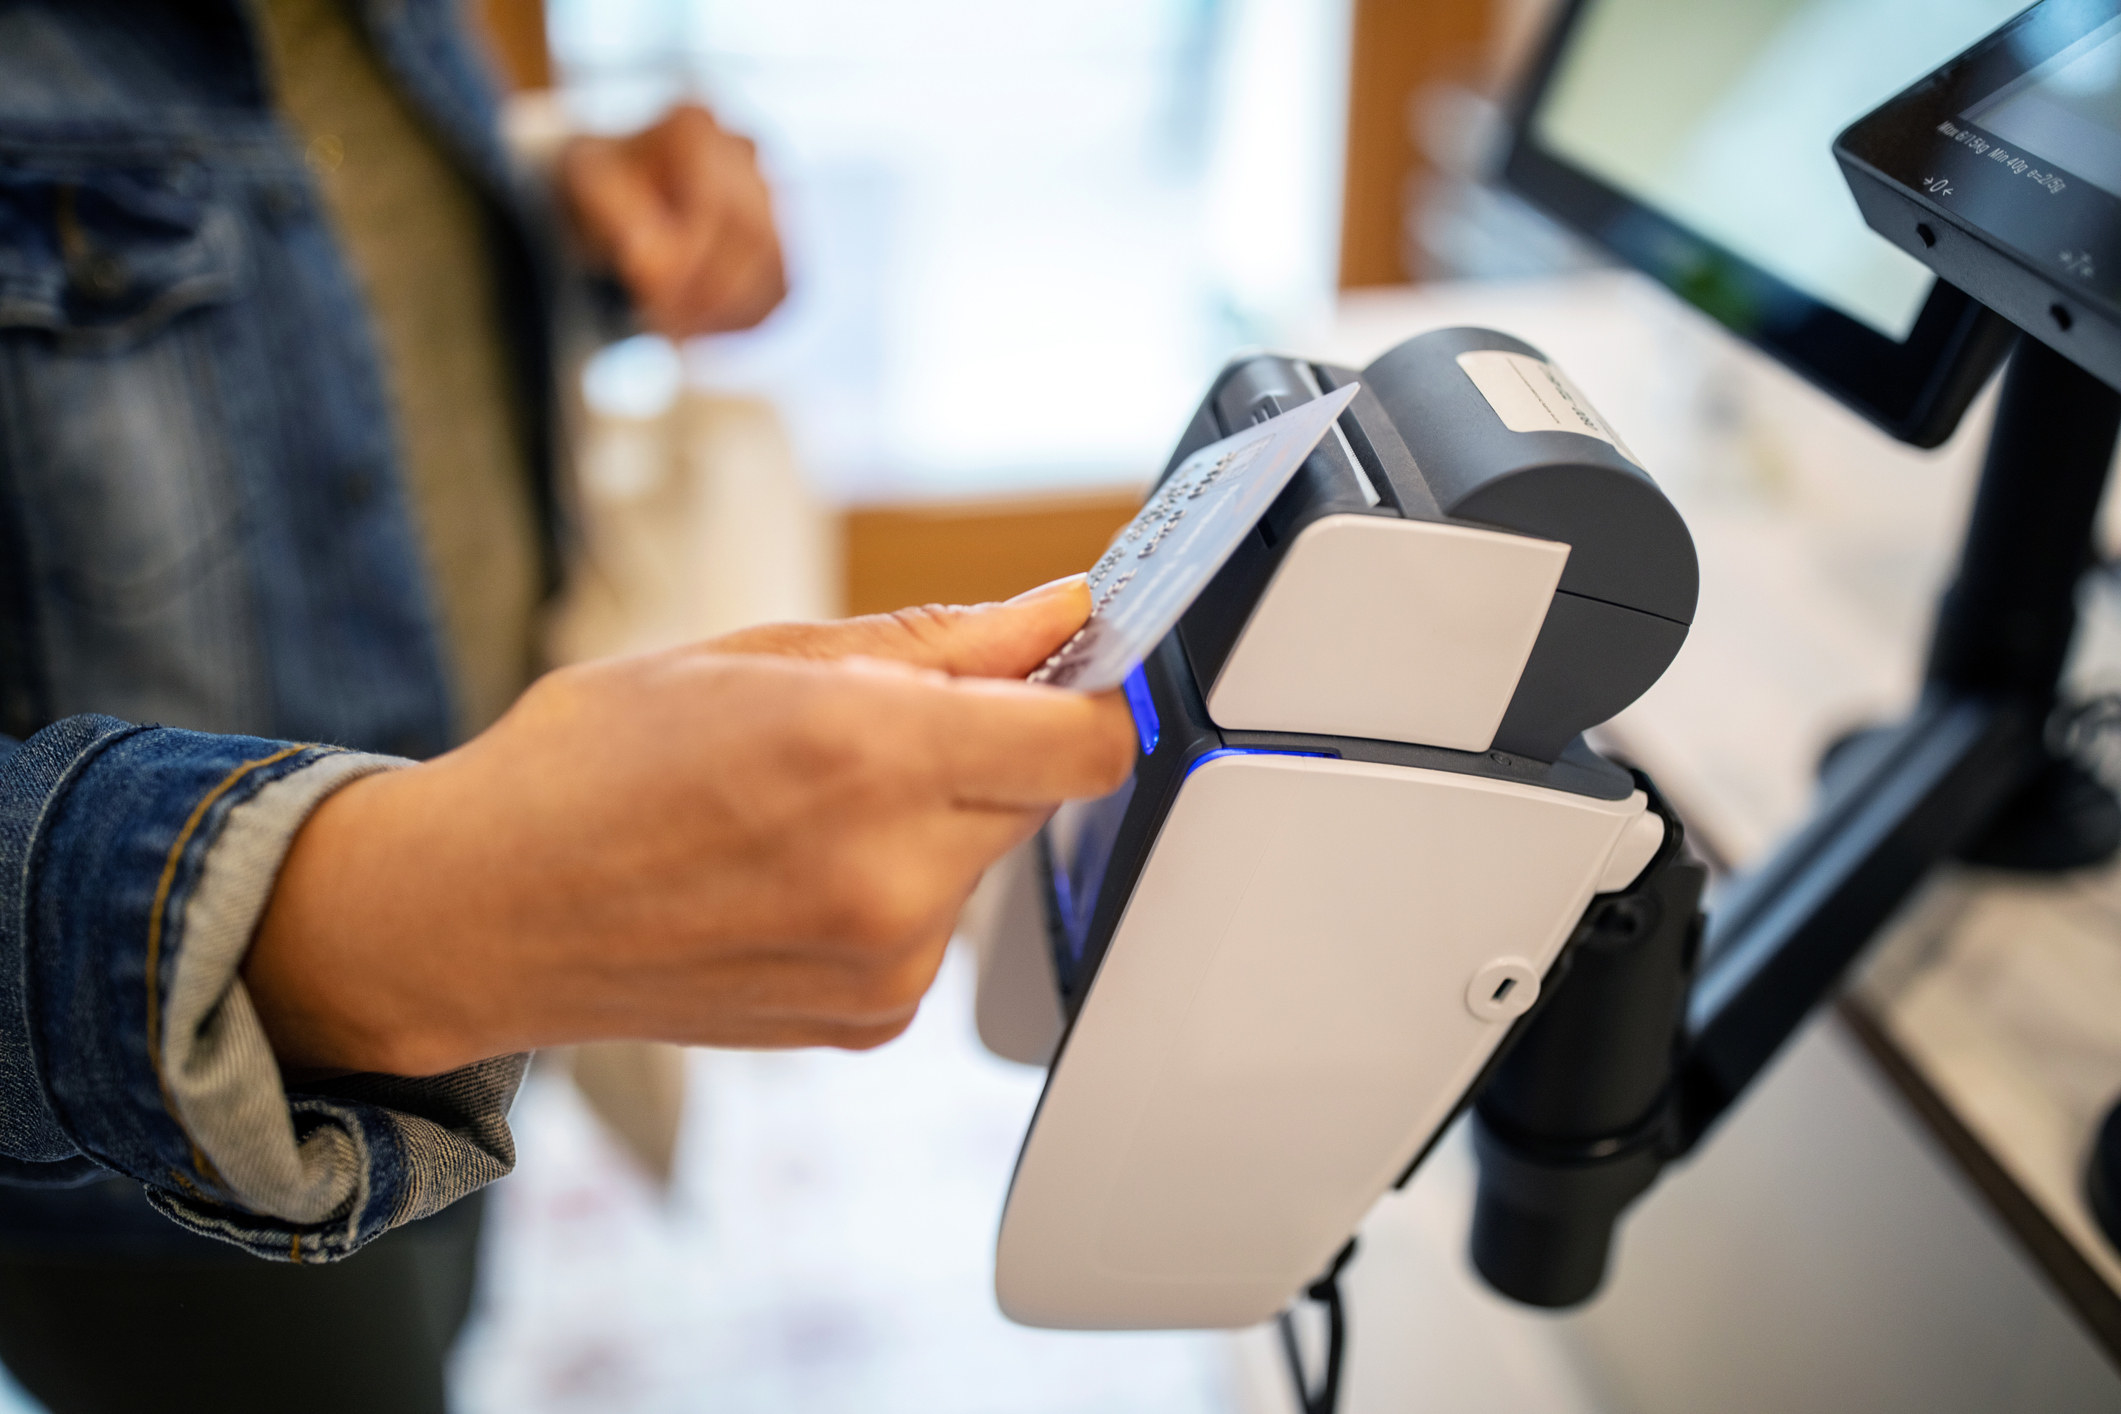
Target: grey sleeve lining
x=223, y=1078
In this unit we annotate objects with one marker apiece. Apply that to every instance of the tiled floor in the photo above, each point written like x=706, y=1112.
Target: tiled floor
x=827, y=1246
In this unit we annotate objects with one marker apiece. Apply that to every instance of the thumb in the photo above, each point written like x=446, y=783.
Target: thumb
x=1005, y=640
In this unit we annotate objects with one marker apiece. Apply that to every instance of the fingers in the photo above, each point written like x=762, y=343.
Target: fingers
x=986, y=640
x=735, y=275
x=1014, y=746
x=727, y=273
x=885, y=682
x=869, y=1005
x=824, y=991
x=1004, y=640
x=686, y=219
x=703, y=210
x=968, y=838
x=734, y=285
x=622, y=213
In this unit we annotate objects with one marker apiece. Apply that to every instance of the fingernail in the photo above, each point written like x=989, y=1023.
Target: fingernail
x=1049, y=588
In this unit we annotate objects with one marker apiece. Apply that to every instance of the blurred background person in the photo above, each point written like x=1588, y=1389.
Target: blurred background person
x=283, y=432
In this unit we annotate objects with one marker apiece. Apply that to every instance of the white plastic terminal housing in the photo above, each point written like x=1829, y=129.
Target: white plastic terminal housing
x=1396, y=630
x=1281, y=1022
x=1017, y=1009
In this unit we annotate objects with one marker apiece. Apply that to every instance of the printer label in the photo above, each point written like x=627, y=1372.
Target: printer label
x=1532, y=395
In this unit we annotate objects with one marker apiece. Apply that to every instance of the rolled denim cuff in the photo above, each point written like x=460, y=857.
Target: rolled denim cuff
x=149, y=872
x=309, y=1159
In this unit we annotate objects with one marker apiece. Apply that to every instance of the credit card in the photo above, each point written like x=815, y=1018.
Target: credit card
x=1157, y=566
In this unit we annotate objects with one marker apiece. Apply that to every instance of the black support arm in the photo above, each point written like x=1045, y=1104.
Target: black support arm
x=1606, y=1083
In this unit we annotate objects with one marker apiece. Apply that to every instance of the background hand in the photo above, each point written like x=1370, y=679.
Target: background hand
x=684, y=216
x=763, y=840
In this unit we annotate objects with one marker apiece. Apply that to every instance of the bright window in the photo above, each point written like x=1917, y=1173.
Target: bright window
x=1023, y=235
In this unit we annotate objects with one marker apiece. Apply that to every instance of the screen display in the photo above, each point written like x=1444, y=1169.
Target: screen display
x=1723, y=117
x=1080, y=836
x=2068, y=110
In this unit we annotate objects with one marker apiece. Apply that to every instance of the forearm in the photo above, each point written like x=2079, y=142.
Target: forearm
x=383, y=946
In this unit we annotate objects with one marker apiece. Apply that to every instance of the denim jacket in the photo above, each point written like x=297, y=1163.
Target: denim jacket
x=212, y=610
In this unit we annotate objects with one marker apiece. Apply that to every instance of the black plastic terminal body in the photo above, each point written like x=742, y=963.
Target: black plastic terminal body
x=1632, y=593
x=1655, y=1025
x=1576, y=1120
x=1431, y=448
x=1605, y=1084
x=1969, y=772
x=1576, y=1094
x=2039, y=246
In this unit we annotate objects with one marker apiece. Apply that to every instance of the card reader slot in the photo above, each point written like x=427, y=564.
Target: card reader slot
x=1328, y=484
x=1364, y=482
x=1379, y=451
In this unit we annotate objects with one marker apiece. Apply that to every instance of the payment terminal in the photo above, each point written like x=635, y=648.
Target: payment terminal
x=1267, y=971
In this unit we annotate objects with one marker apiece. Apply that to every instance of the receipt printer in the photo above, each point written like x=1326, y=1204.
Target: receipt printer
x=1269, y=970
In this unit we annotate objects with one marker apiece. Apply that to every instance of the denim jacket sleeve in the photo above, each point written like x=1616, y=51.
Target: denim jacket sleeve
x=135, y=863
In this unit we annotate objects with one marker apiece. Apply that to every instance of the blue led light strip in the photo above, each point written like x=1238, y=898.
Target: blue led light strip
x=1146, y=724
x=1206, y=756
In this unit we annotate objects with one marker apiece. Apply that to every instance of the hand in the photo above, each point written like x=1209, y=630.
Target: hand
x=684, y=217
x=762, y=840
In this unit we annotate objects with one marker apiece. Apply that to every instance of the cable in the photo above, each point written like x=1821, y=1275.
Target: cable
x=1325, y=1399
